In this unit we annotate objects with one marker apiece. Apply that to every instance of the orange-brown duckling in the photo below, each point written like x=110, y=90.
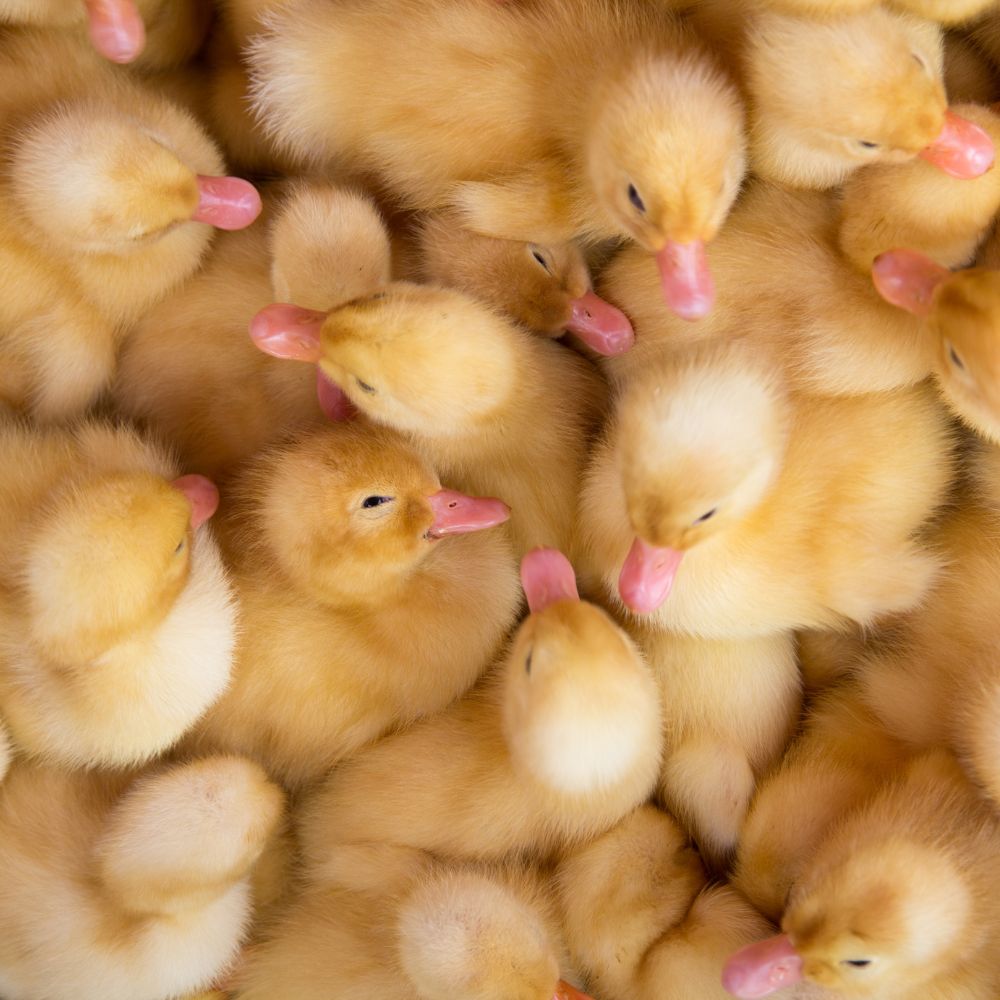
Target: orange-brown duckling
x=615, y=124
x=900, y=900
x=117, y=622
x=361, y=612
x=129, y=887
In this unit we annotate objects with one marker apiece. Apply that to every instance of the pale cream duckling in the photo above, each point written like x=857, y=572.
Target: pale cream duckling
x=771, y=510
x=400, y=925
x=109, y=196
x=558, y=744
x=361, y=614
x=960, y=312
x=829, y=96
x=188, y=370
x=615, y=124
x=900, y=902
x=488, y=403
x=640, y=917
x=116, y=617
x=125, y=888
x=944, y=11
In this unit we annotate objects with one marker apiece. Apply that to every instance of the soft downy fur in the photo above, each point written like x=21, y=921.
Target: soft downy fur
x=355, y=621
x=84, y=679
x=123, y=888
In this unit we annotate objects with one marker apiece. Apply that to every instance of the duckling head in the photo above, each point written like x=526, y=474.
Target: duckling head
x=108, y=557
x=349, y=512
x=578, y=701
x=413, y=357
x=868, y=89
x=95, y=181
x=666, y=155
x=962, y=311
x=884, y=919
x=698, y=447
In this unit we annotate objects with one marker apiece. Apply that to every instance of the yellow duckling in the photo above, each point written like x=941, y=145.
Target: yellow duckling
x=120, y=887
x=116, y=617
x=613, y=124
x=347, y=560
x=488, y=403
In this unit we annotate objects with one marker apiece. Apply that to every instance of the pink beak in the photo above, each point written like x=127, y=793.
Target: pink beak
x=202, y=495
x=226, y=202
x=962, y=149
x=116, y=29
x=285, y=331
x=601, y=326
x=458, y=514
x=762, y=969
x=547, y=577
x=908, y=279
x=647, y=577
x=687, y=282
x=333, y=400
x=566, y=992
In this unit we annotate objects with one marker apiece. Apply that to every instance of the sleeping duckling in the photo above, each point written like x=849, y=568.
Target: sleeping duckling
x=564, y=735
x=616, y=124
x=361, y=612
x=103, y=191
x=152, y=34
x=899, y=902
x=771, y=510
x=188, y=369
x=487, y=403
x=116, y=616
x=547, y=289
x=120, y=887
x=401, y=925
x=640, y=917
x=867, y=88
x=960, y=311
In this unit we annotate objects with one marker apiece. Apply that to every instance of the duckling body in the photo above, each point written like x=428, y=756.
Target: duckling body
x=117, y=622
x=102, y=901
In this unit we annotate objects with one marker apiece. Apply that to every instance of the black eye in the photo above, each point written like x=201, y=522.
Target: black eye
x=370, y=502
x=180, y=547
x=541, y=260
x=527, y=662
x=364, y=386
x=955, y=359
x=857, y=963
x=867, y=145
x=707, y=516
x=636, y=199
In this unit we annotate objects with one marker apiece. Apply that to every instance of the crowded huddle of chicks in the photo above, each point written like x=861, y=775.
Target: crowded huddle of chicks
x=545, y=546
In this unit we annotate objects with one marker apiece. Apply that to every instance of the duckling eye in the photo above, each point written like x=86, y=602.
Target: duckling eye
x=636, y=199
x=865, y=144
x=370, y=502
x=364, y=386
x=707, y=516
x=540, y=257
x=955, y=359
x=527, y=663
x=180, y=547
x=857, y=963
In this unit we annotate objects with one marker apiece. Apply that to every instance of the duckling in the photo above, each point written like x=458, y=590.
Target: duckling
x=546, y=289
x=566, y=126
x=102, y=191
x=342, y=555
x=417, y=928
x=959, y=311
x=188, y=370
x=152, y=34
x=771, y=510
x=640, y=917
x=867, y=89
x=943, y=11
x=899, y=902
x=487, y=403
x=103, y=900
x=563, y=736
x=116, y=617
